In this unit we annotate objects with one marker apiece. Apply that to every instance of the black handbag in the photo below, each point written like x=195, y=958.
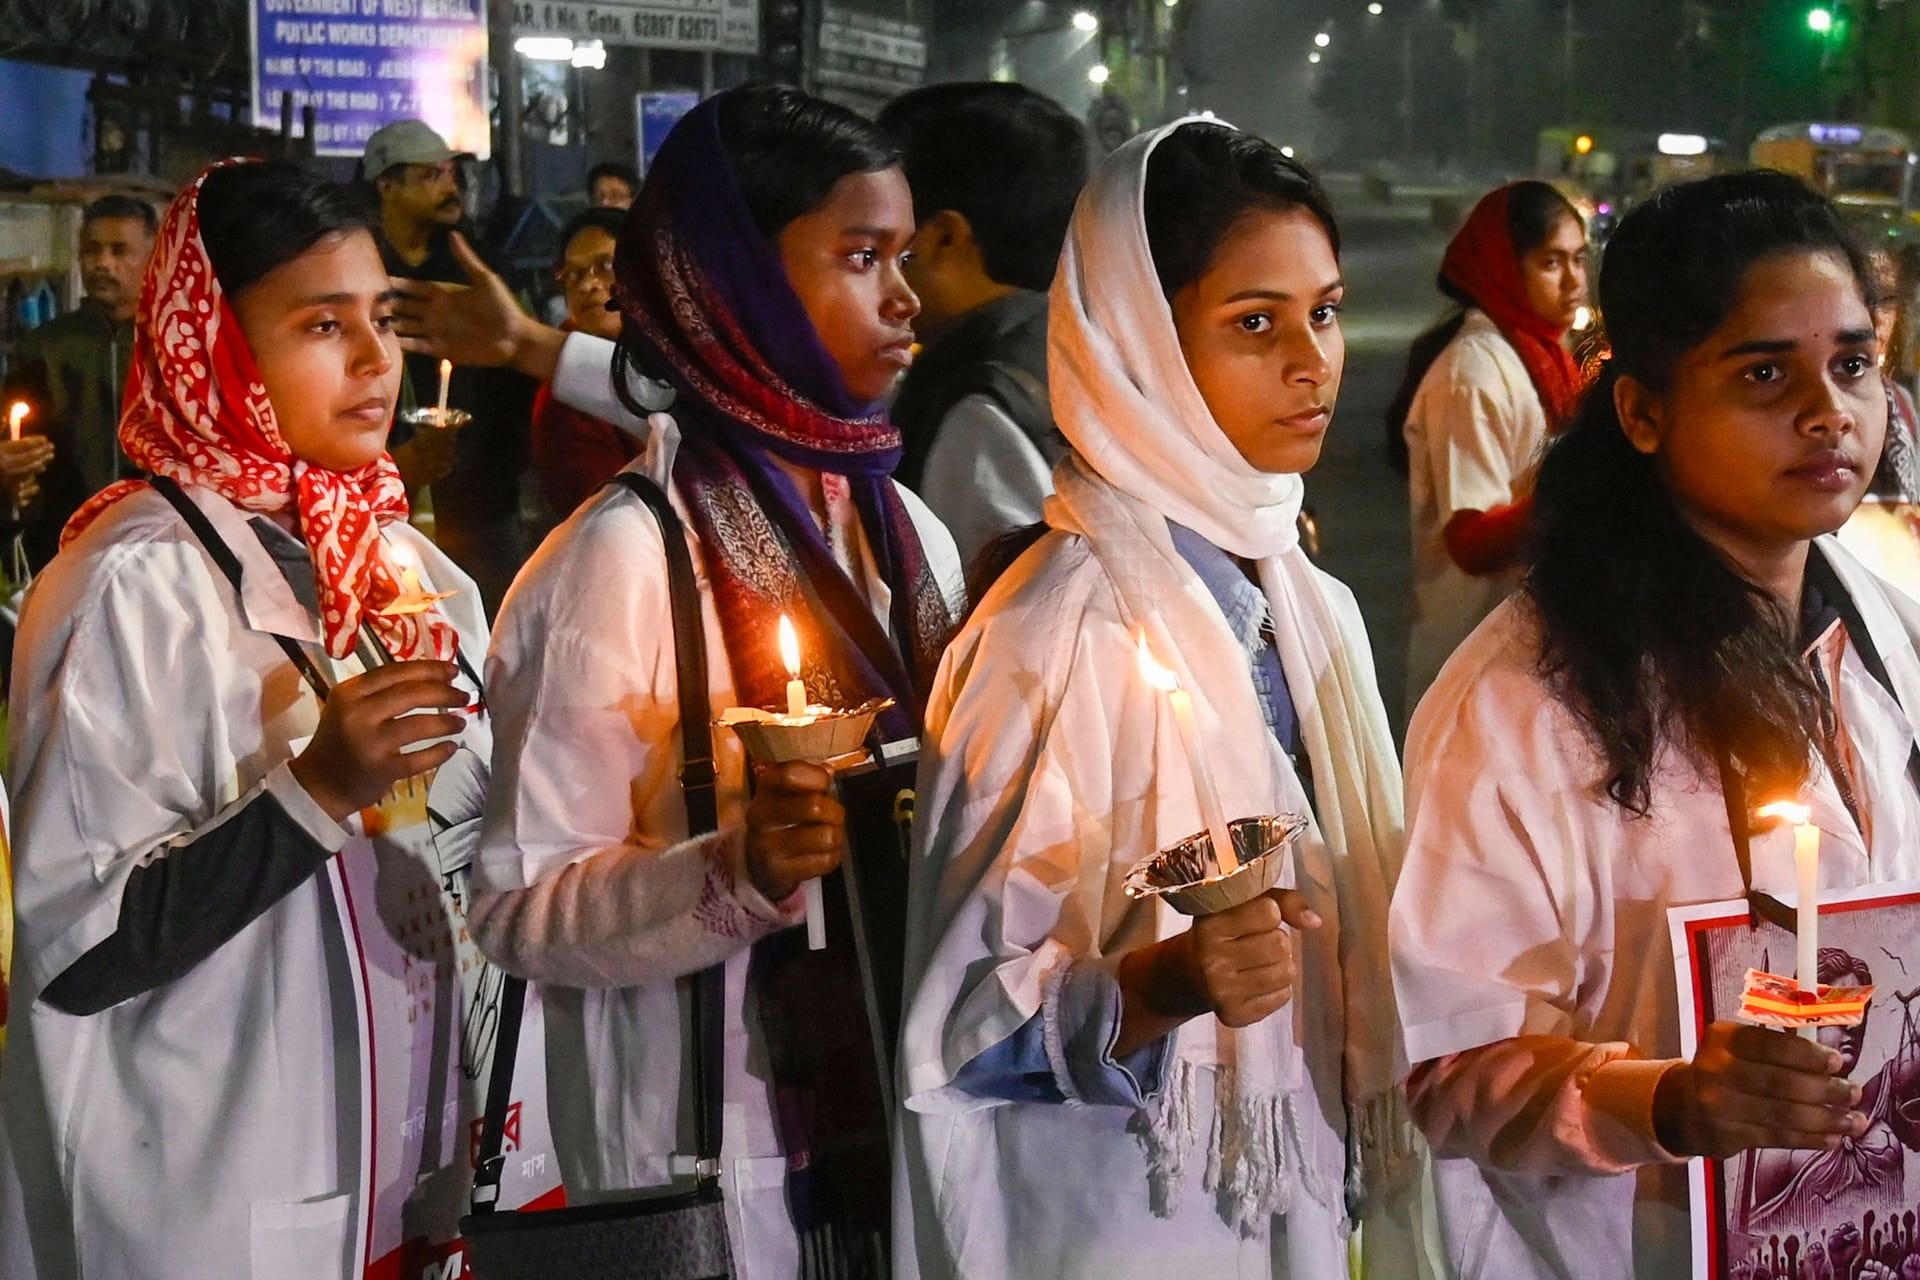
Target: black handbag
x=667, y=1237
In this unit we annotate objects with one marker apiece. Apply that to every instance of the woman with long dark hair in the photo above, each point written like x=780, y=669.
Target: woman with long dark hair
x=758, y=276
x=1483, y=393
x=248, y=757
x=1688, y=646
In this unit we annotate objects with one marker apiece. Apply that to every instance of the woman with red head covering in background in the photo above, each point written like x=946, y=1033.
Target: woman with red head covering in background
x=1482, y=394
x=248, y=760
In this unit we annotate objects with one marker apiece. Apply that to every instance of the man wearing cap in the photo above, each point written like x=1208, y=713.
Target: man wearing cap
x=476, y=503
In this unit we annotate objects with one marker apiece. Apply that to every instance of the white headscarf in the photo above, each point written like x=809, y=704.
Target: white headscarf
x=1148, y=451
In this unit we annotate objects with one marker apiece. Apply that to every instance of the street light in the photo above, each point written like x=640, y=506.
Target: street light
x=1322, y=40
x=1820, y=21
x=1314, y=57
x=1376, y=9
x=545, y=48
x=1098, y=73
x=1085, y=21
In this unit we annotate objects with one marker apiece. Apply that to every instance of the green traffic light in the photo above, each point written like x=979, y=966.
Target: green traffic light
x=1820, y=21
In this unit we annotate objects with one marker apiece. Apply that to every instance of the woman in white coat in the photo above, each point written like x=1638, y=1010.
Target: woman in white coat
x=1688, y=646
x=759, y=276
x=241, y=1042
x=1095, y=1086
x=1483, y=393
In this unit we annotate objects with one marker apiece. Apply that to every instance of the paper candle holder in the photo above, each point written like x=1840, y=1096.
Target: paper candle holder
x=774, y=737
x=438, y=419
x=1188, y=875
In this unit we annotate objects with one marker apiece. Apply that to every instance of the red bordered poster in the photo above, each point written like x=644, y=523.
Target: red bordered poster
x=1845, y=1213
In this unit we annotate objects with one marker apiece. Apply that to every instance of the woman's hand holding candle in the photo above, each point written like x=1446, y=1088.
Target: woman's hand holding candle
x=1237, y=965
x=1753, y=1087
x=796, y=828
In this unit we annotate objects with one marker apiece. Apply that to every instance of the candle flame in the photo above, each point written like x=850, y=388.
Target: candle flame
x=1793, y=811
x=17, y=413
x=1156, y=675
x=446, y=370
x=789, y=646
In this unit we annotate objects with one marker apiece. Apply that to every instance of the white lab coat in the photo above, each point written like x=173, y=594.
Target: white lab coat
x=1530, y=905
x=1475, y=432
x=587, y=717
x=1043, y=782
x=270, y=1112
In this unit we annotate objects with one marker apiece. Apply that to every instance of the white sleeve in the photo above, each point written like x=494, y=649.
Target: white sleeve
x=983, y=475
x=1468, y=412
x=585, y=876
x=583, y=380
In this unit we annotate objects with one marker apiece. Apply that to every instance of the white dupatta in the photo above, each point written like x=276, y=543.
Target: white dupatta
x=1148, y=451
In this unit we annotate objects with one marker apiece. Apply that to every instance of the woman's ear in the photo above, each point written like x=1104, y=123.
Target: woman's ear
x=1639, y=411
x=944, y=234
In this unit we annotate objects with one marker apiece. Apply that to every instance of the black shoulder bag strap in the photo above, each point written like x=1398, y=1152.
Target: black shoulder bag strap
x=229, y=564
x=222, y=555
x=698, y=781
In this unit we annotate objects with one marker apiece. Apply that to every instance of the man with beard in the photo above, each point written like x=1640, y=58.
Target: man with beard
x=475, y=476
x=70, y=372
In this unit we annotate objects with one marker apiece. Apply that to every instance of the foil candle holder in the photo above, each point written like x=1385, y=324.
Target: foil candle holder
x=1188, y=874
x=819, y=734
x=436, y=418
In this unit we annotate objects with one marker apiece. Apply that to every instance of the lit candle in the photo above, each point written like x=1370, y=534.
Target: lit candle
x=790, y=654
x=446, y=374
x=16, y=415
x=797, y=708
x=1806, y=863
x=1181, y=702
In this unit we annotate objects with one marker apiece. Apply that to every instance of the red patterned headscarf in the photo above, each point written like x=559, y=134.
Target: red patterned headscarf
x=197, y=412
x=1481, y=263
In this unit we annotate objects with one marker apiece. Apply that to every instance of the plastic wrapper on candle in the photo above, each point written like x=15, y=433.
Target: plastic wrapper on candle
x=773, y=737
x=1188, y=875
x=428, y=416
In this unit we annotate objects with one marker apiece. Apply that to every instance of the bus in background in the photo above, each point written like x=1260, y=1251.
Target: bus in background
x=1865, y=169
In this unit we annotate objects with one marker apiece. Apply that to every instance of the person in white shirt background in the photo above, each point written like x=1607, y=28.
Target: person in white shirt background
x=1094, y=1086
x=244, y=990
x=1688, y=645
x=759, y=276
x=995, y=169
x=1482, y=395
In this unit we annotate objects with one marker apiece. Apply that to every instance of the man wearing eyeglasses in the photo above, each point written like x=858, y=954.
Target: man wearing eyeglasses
x=474, y=474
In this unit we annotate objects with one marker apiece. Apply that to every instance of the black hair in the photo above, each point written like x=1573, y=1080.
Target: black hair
x=1201, y=180
x=614, y=169
x=255, y=217
x=787, y=149
x=116, y=206
x=1008, y=160
x=1535, y=211
x=1652, y=638
x=606, y=219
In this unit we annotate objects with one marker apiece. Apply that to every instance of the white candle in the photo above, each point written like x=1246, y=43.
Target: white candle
x=1806, y=864
x=790, y=654
x=797, y=707
x=1181, y=703
x=446, y=374
x=16, y=415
